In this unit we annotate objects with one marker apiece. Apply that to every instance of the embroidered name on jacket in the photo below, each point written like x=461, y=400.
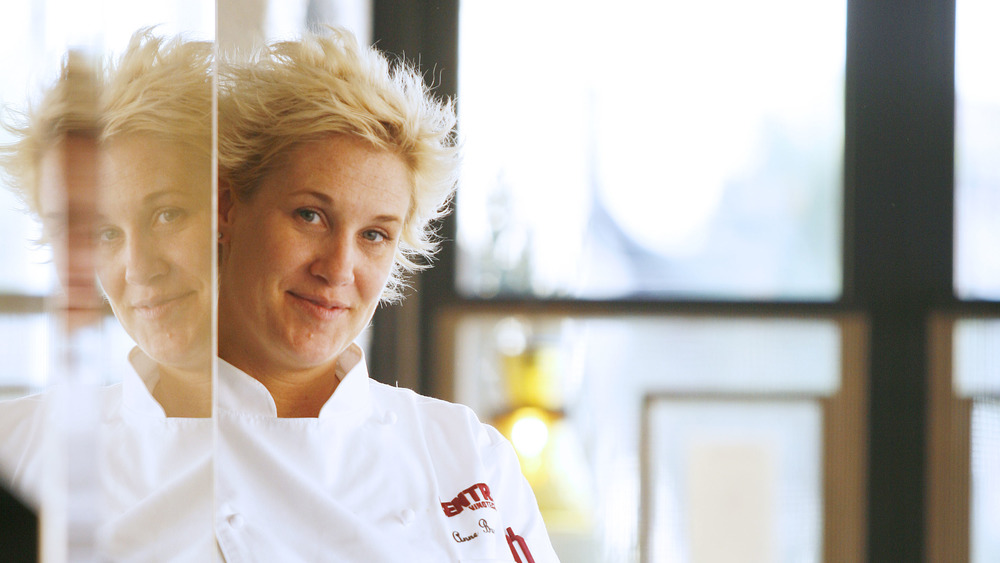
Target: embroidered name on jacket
x=475, y=497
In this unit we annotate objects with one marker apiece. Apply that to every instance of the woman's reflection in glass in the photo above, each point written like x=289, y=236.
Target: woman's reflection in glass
x=150, y=231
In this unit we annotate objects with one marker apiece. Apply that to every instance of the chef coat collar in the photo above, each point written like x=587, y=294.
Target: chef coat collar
x=138, y=384
x=240, y=393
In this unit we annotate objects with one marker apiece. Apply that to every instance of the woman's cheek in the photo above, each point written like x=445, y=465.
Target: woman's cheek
x=110, y=272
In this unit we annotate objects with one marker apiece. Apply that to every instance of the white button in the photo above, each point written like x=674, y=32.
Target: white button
x=235, y=520
x=389, y=418
x=407, y=516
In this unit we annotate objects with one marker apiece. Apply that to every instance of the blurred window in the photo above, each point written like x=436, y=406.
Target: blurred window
x=620, y=423
x=977, y=144
x=976, y=369
x=651, y=149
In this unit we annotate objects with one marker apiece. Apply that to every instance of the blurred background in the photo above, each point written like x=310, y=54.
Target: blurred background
x=726, y=274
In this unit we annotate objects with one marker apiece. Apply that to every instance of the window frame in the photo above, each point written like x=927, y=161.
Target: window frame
x=898, y=236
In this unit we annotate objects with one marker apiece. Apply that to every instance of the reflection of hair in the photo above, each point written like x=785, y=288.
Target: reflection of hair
x=296, y=91
x=69, y=107
x=157, y=87
x=163, y=88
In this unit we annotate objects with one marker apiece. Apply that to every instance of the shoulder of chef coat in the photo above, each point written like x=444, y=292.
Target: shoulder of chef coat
x=26, y=423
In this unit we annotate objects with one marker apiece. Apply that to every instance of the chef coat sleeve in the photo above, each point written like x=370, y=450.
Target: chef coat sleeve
x=524, y=530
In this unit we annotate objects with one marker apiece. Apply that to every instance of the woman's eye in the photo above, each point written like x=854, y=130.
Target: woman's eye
x=168, y=215
x=308, y=215
x=375, y=236
x=108, y=234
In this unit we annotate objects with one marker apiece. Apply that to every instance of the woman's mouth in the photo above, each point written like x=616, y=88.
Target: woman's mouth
x=158, y=306
x=319, y=306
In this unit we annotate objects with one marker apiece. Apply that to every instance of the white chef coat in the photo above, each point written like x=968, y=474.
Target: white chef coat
x=381, y=475
x=155, y=498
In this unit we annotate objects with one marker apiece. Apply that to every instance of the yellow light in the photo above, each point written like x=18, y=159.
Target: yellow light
x=529, y=434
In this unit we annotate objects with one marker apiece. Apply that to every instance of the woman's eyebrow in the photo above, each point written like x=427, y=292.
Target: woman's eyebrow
x=387, y=219
x=163, y=194
x=316, y=194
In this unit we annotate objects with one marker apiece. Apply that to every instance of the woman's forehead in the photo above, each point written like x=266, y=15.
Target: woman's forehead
x=335, y=163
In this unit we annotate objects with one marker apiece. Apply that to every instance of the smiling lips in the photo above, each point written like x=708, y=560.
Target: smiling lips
x=159, y=305
x=318, y=306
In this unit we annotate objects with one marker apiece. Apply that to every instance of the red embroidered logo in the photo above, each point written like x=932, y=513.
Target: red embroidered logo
x=475, y=497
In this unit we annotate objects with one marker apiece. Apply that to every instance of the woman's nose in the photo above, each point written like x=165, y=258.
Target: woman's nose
x=334, y=261
x=144, y=260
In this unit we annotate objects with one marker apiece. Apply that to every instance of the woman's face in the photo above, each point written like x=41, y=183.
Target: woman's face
x=67, y=187
x=154, y=246
x=305, y=258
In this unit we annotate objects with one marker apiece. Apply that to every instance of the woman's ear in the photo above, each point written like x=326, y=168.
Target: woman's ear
x=226, y=200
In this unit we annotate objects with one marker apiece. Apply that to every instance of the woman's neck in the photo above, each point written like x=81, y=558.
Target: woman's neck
x=184, y=393
x=301, y=395
x=298, y=392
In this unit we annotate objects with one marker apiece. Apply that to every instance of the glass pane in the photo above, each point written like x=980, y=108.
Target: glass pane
x=976, y=379
x=976, y=369
x=651, y=149
x=976, y=357
x=985, y=447
x=746, y=472
x=36, y=37
x=27, y=370
x=977, y=174
x=27, y=265
x=27, y=364
x=569, y=393
x=97, y=145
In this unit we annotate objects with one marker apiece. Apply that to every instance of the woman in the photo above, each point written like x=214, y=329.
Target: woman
x=331, y=168
x=153, y=231
x=150, y=210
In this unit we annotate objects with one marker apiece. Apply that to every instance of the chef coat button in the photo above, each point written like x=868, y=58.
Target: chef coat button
x=235, y=520
x=389, y=418
x=407, y=516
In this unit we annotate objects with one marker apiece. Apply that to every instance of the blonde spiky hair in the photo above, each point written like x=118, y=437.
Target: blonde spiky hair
x=291, y=92
x=162, y=87
x=67, y=108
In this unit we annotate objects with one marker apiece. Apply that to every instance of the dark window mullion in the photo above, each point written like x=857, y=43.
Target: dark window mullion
x=425, y=32
x=898, y=226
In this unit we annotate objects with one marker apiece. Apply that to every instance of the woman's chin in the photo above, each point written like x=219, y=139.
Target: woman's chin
x=312, y=355
x=187, y=356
